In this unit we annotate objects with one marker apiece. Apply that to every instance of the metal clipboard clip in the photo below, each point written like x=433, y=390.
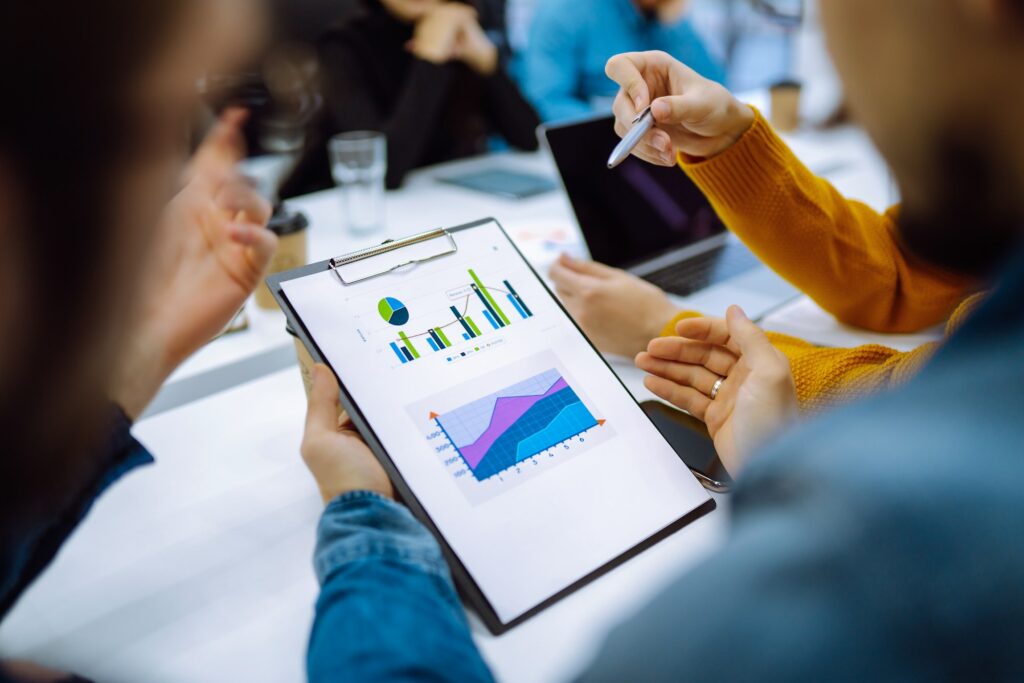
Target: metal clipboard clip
x=388, y=247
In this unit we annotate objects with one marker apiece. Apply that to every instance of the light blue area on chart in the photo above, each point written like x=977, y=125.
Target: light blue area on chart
x=574, y=419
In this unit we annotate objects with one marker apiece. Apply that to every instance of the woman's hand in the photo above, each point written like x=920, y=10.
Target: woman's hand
x=437, y=35
x=452, y=32
x=756, y=397
x=693, y=115
x=333, y=451
x=476, y=50
x=210, y=252
x=223, y=147
x=618, y=311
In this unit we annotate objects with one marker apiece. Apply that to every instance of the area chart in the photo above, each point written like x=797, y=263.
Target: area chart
x=504, y=428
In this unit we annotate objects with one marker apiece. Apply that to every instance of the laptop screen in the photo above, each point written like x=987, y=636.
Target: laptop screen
x=634, y=212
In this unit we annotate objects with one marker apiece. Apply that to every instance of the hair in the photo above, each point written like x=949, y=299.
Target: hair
x=71, y=70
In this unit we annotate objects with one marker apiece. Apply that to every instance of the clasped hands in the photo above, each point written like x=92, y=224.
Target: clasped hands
x=452, y=32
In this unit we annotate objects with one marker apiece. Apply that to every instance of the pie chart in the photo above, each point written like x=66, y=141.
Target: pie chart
x=393, y=311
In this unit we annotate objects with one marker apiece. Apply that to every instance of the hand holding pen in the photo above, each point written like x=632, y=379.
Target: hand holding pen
x=687, y=113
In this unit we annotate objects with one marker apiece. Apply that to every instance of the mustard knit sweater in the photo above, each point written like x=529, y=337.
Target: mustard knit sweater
x=842, y=253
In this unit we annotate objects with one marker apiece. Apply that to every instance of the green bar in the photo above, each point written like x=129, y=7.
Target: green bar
x=490, y=299
x=440, y=334
x=408, y=345
x=476, y=330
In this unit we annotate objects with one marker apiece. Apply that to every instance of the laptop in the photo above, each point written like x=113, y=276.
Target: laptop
x=655, y=223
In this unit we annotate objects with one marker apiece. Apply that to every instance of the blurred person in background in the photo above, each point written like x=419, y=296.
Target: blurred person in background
x=427, y=75
x=119, y=259
x=569, y=44
x=875, y=543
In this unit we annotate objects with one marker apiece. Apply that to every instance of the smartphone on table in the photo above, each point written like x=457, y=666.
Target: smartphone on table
x=692, y=442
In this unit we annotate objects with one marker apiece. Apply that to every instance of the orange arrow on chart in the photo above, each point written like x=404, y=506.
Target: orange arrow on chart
x=600, y=423
x=433, y=416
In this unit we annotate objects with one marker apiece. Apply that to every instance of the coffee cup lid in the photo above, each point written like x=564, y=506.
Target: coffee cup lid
x=286, y=222
x=786, y=85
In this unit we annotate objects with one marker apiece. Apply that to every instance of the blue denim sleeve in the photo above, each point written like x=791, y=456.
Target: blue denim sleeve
x=387, y=609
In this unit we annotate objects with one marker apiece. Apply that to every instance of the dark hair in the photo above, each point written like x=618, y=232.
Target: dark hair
x=71, y=69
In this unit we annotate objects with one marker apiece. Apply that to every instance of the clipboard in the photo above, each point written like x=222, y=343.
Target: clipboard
x=406, y=254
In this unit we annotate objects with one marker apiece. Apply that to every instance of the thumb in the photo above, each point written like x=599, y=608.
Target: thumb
x=322, y=413
x=672, y=109
x=751, y=340
x=692, y=108
x=233, y=118
x=224, y=144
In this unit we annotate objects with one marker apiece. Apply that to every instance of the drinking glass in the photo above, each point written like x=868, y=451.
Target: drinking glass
x=358, y=164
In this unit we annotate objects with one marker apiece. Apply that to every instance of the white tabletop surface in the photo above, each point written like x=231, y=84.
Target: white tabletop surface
x=199, y=568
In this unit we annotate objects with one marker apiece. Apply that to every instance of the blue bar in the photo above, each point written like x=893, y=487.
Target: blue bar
x=465, y=336
x=488, y=308
x=432, y=344
x=518, y=307
x=490, y=319
x=458, y=316
x=437, y=340
x=407, y=354
x=522, y=304
x=394, y=347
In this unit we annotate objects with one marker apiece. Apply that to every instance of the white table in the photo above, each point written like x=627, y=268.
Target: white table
x=198, y=569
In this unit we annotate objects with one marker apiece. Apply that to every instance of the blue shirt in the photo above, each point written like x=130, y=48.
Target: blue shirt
x=571, y=41
x=882, y=542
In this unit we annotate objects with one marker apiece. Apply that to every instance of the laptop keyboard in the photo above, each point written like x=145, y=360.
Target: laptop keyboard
x=701, y=271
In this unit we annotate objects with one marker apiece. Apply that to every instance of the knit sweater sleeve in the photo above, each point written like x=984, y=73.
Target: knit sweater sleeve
x=827, y=377
x=842, y=253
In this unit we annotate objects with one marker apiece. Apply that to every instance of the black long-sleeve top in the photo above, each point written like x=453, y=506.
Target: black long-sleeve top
x=430, y=113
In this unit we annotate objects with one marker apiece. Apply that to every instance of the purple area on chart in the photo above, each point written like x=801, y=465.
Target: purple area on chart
x=507, y=410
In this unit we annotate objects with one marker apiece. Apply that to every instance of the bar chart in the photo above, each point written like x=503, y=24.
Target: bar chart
x=483, y=309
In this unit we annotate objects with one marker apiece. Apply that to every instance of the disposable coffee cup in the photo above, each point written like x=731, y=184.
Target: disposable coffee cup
x=785, y=115
x=306, y=361
x=292, y=250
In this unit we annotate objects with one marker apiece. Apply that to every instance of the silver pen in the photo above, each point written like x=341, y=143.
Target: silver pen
x=642, y=125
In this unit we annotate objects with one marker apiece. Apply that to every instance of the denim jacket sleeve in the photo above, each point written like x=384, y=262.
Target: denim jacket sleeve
x=387, y=609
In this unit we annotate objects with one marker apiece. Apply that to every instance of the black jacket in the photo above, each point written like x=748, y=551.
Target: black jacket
x=430, y=113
